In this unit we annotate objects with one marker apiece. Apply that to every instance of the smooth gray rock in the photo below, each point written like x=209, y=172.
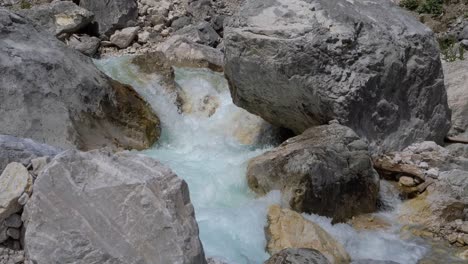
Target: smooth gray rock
x=181, y=22
x=298, y=256
x=56, y=95
x=123, y=38
x=327, y=170
x=22, y=150
x=14, y=221
x=111, y=15
x=59, y=17
x=456, y=81
x=95, y=207
x=85, y=44
x=368, y=64
x=14, y=181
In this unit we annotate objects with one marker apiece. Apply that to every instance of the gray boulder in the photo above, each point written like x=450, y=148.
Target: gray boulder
x=456, y=81
x=59, y=17
x=84, y=44
x=298, y=256
x=111, y=15
x=22, y=150
x=201, y=33
x=327, y=170
x=96, y=207
x=123, y=38
x=368, y=64
x=57, y=96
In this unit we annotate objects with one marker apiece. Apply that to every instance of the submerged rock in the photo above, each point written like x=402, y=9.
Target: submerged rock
x=288, y=229
x=367, y=64
x=22, y=150
x=59, y=17
x=456, y=81
x=96, y=207
x=111, y=15
x=298, y=256
x=57, y=96
x=327, y=170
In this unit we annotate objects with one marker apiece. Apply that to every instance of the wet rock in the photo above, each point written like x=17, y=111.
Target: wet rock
x=123, y=38
x=122, y=208
x=288, y=229
x=84, y=44
x=327, y=170
x=59, y=17
x=297, y=256
x=407, y=181
x=57, y=96
x=369, y=222
x=22, y=150
x=456, y=81
x=14, y=181
x=111, y=15
x=303, y=63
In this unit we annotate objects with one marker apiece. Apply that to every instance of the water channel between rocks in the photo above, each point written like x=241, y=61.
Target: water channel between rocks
x=206, y=151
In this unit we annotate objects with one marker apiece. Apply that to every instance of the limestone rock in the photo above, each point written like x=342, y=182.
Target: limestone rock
x=57, y=96
x=84, y=44
x=368, y=64
x=327, y=170
x=123, y=208
x=184, y=52
x=22, y=150
x=298, y=256
x=456, y=81
x=111, y=15
x=59, y=17
x=123, y=38
x=14, y=181
x=288, y=229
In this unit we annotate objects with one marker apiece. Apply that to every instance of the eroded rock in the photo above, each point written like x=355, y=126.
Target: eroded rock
x=327, y=170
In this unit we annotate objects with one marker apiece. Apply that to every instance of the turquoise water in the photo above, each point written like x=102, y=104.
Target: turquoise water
x=207, y=151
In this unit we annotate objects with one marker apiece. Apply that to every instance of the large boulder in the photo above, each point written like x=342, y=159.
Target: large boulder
x=327, y=170
x=22, y=150
x=95, y=207
x=57, y=96
x=288, y=229
x=59, y=17
x=297, y=256
x=111, y=15
x=456, y=81
x=368, y=64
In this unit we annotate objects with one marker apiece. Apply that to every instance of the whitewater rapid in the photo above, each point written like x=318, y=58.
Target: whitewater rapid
x=207, y=153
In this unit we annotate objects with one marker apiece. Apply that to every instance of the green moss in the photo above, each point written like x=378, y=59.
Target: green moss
x=25, y=5
x=434, y=7
x=450, y=51
x=410, y=4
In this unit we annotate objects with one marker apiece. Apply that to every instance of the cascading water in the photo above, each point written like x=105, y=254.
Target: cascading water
x=206, y=151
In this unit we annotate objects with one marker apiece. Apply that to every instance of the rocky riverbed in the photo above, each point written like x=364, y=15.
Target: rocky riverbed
x=215, y=131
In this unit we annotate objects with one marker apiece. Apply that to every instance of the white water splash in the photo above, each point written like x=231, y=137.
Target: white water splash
x=205, y=152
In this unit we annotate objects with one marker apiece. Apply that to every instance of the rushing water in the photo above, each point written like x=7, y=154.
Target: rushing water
x=207, y=153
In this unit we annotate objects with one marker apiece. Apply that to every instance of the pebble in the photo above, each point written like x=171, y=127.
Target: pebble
x=23, y=199
x=407, y=181
x=14, y=221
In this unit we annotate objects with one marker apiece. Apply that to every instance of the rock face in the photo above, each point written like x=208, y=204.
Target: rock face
x=367, y=64
x=327, y=170
x=14, y=181
x=59, y=17
x=298, y=256
x=456, y=81
x=288, y=229
x=111, y=15
x=13, y=149
x=106, y=208
x=57, y=96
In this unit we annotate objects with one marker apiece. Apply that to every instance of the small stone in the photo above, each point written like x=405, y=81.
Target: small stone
x=14, y=181
x=23, y=199
x=460, y=239
x=423, y=165
x=123, y=38
x=458, y=222
x=432, y=173
x=13, y=233
x=14, y=221
x=19, y=258
x=3, y=235
x=463, y=255
x=464, y=43
x=464, y=227
x=407, y=181
x=143, y=37
x=165, y=32
x=38, y=164
x=452, y=238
